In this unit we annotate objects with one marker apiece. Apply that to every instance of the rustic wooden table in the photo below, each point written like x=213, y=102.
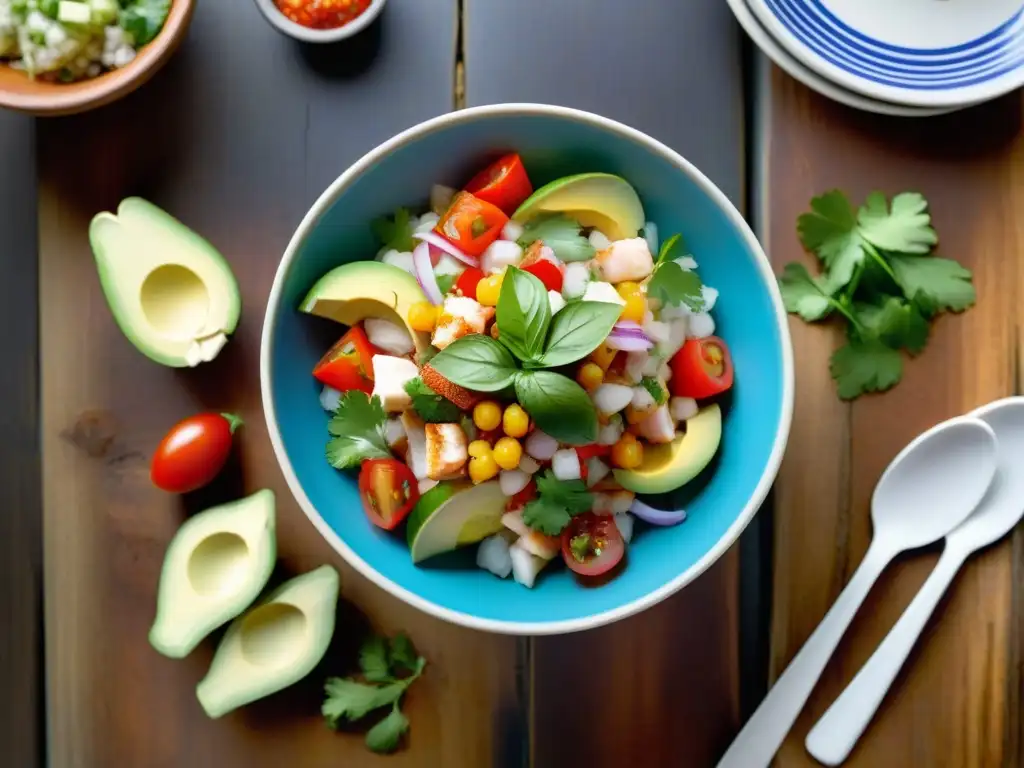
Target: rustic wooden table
x=238, y=136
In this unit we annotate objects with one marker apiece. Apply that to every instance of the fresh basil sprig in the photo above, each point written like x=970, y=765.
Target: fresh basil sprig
x=476, y=362
x=577, y=331
x=523, y=314
x=558, y=405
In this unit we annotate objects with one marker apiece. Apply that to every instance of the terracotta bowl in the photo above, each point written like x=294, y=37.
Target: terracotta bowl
x=45, y=99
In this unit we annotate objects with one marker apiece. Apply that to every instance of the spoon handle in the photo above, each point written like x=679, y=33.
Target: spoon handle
x=833, y=737
x=764, y=732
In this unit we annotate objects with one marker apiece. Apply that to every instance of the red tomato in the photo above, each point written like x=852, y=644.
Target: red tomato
x=548, y=273
x=702, y=368
x=470, y=224
x=193, y=452
x=348, y=364
x=389, y=490
x=590, y=451
x=524, y=497
x=592, y=544
x=468, y=281
x=503, y=183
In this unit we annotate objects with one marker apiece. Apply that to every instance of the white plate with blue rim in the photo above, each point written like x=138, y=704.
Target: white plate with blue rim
x=788, y=64
x=920, y=53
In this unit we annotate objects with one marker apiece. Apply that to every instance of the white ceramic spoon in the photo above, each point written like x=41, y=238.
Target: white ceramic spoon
x=927, y=490
x=835, y=734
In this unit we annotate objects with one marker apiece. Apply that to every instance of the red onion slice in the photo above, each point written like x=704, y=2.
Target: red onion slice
x=425, y=274
x=444, y=245
x=657, y=516
x=628, y=337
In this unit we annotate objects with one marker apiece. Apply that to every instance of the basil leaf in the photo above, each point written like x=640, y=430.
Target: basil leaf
x=578, y=330
x=476, y=362
x=559, y=406
x=524, y=314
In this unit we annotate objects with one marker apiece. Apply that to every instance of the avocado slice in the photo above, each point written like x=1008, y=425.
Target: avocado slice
x=274, y=644
x=669, y=466
x=453, y=514
x=361, y=289
x=601, y=200
x=215, y=566
x=171, y=293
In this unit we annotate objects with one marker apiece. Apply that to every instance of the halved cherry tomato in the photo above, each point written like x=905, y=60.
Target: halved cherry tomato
x=592, y=544
x=547, y=272
x=524, y=497
x=468, y=281
x=702, y=368
x=193, y=452
x=471, y=224
x=389, y=490
x=348, y=364
x=503, y=183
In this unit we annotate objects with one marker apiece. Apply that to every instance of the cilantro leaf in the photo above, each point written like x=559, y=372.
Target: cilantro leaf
x=557, y=502
x=350, y=700
x=373, y=660
x=395, y=231
x=431, y=407
x=674, y=243
x=897, y=323
x=830, y=232
x=403, y=654
x=803, y=294
x=671, y=284
x=143, y=19
x=905, y=229
x=358, y=429
x=561, y=234
x=386, y=734
x=656, y=390
x=943, y=283
x=865, y=366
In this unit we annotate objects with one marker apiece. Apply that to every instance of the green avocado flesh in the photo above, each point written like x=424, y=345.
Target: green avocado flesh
x=215, y=566
x=361, y=289
x=274, y=644
x=171, y=293
x=453, y=514
x=672, y=465
x=600, y=200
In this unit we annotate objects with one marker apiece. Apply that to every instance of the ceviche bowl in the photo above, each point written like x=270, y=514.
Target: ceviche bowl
x=589, y=358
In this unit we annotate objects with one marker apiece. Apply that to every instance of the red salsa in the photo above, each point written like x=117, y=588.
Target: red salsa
x=322, y=14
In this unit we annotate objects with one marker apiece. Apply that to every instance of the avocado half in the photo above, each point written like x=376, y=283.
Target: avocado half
x=214, y=568
x=672, y=465
x=171, y=292
x=361, y=289
x=274, y=644
x=601, y=200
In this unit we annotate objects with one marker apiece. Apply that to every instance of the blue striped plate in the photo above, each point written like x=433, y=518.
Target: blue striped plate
x=923, y=53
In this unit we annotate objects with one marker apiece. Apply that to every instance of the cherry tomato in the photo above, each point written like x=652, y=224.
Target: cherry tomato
x=468, y=280
x=348, y=364
x=592, y=544
x=503, y=183
x=702, y=368
x=389, y=490
x=524, y=497
x=548, y=273
x=193, y=452
x=470, y=224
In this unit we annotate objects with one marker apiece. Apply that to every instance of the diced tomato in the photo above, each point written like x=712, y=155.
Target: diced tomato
x=503, y=183
x=525, y=496
x=349, y=363
x=586, y=452
x=389, y=491
x=592, y=544
x=548, y=273
x=468, y=281
x=471, y=224
x=702, y=368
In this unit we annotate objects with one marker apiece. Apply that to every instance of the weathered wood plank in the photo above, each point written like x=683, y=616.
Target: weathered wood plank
x=237, y=137
x=21, y=727
x=660, y=688
x=951, y=706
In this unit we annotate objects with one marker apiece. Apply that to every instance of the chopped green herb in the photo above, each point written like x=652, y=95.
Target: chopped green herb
x=395, y=231
x=657, y=391
x=143, y=19
x=671, y=284
x=557, y=502
x=431, y=407
x=358, y=429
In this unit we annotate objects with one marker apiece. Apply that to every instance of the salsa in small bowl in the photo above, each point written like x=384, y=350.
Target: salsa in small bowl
x=320, y=21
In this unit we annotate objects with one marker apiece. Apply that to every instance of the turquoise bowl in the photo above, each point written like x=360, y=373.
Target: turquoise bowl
x=553, y=141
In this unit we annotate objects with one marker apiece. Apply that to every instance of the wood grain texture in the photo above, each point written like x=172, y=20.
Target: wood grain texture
x=237, y=137
x=21, y=701
x=956, y=703
x=660, y=688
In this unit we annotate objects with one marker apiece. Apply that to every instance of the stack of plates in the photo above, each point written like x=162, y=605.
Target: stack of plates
x=897, y=57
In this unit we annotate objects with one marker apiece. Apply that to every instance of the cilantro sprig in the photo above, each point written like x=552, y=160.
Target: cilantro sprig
x=358, y=429
x=395, y=231
x=557, y=503
x=881, y=276
x=670, y=283
x=430, y=406
x=389, y=668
